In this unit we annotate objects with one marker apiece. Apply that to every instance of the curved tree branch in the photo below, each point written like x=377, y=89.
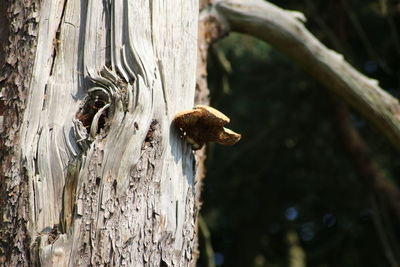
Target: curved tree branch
x=285, y=30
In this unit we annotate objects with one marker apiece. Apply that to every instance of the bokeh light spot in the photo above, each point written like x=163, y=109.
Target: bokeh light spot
x=291, y=213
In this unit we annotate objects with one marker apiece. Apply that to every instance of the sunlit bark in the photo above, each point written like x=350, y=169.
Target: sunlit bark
x=96, y=174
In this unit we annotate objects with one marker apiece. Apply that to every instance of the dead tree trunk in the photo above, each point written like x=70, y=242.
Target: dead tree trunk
x=92, y=172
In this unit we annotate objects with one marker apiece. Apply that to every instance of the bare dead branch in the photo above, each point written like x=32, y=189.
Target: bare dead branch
x=285, y=30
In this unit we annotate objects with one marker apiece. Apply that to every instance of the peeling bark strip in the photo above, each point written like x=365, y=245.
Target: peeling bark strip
x=106, y=180
x=285, y=30
x=14, y=81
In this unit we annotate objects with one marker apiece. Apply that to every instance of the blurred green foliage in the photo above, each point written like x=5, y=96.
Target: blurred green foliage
x=288, y=187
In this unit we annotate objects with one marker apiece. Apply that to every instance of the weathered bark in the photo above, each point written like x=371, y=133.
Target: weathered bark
x=94, y=172
x=285, y=30
x=19, y=31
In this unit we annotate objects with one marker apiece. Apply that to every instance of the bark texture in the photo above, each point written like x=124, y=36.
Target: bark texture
x=96, y=174
x=19, y=35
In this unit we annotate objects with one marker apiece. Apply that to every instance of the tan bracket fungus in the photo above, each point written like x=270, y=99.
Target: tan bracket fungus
x=205, y=124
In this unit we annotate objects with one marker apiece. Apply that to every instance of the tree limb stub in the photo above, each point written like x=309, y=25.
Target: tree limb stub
x=285, y=30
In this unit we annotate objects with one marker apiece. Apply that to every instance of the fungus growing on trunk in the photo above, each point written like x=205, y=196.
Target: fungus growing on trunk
x=205, y=124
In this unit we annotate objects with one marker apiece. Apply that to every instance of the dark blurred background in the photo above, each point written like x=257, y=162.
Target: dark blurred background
x=290, y=193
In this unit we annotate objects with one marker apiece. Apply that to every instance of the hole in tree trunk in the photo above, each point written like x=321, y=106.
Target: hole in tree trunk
x=88, y=111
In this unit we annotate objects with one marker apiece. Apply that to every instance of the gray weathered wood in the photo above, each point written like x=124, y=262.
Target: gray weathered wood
x=121, y=191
